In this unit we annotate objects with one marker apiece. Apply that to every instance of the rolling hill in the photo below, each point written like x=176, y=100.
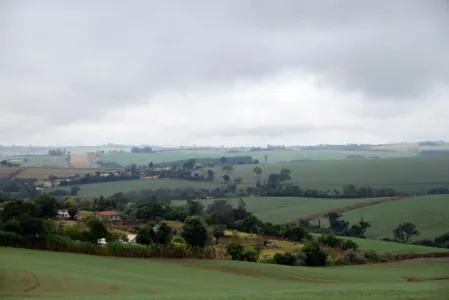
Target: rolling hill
x=53, y=275
x=429, y=213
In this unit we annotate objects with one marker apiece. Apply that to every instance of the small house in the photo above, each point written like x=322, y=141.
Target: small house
x=109, y=215
x=63, y=214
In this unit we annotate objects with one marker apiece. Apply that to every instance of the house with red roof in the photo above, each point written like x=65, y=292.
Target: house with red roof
x=109, y=215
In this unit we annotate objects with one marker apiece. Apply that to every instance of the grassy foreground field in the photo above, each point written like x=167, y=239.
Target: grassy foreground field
x=429, y=213
x=280, y=210
x=50, y=275
x=402, y=174
x=110, y=188
x=273, y=156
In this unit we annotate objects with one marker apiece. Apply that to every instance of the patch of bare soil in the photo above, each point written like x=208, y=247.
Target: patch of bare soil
x=419, y=279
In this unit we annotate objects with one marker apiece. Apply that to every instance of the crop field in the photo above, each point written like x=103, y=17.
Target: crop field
x=8, y=172
x=273, y=156
x=43, y=173
x=53, y=275
x=280, y=210
x=40, y=160
x=110, y=188
x=402, y=174
x=429, y=213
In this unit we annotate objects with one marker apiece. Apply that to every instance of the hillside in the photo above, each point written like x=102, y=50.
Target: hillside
x=42, y=173
x=44, y=274
x=280, y=210
x=275, y=156
x=429, y=213
x=110, y=188
x=403, y=174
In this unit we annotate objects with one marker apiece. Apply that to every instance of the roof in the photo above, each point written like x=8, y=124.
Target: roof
x=107, y=213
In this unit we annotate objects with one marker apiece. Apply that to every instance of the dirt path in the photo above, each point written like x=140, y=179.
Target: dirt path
x=351, y=207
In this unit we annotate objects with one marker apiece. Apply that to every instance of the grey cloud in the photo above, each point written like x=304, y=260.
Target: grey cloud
x=69, y=62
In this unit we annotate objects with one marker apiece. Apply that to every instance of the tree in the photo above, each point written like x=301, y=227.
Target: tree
x=223, y=160
x=97, y=230
x=363, y=227
x=193, y=208
x=284, y=175
x=194, y=232
x=47, y=207
x=150, y=165
x=257, y=171
x=190, y=164
x=210, y=175
x=217, y=232
x=74, y=190
x=145, y=235
x=226, y=178
x=235, y=251
x=227, y=169
x=405, y=231
x=72, y=211
x=163, y=234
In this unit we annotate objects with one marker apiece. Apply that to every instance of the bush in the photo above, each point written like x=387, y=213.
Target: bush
x=372, y=256
x=348, y=244
x=314, y=255
x=235, y=251
x=250, y=256
x=12, y=226
x=286, y=259
x=194, y=232
x=267, y=259
x=329, y=240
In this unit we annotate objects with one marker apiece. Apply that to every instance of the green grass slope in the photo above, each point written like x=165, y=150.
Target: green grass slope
x=273, y=156
x=279, y=210
x=110, y=188
x=51, y=275
x=403, y=174
x=429, y=213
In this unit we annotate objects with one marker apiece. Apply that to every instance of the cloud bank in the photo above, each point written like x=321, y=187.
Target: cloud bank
x=223, y=72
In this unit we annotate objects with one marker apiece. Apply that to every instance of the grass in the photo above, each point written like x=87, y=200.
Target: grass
x=280, y=210
x=8, y=172
x=40, y=160
x=50, y=275
x=273, y=156
x=429, y=213
x=417, y=174
x=43, y=173
x=110, y=188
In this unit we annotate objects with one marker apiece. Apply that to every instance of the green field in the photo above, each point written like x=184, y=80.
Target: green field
x=273, y=156
x=429, y=213
x=39, y=160
x=110, y=188
x=280, y=210
x=402, y=174
x=51, y=275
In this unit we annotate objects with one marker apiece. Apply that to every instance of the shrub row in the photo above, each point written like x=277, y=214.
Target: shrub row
x=65, y=244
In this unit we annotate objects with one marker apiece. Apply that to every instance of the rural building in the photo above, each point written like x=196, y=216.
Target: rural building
x=109, y=215
x=63, y=214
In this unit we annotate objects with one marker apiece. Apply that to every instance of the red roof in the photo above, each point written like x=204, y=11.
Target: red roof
x=107, y=213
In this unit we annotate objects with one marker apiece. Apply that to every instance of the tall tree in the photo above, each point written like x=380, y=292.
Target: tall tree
x=405, y=231
x=194, y=232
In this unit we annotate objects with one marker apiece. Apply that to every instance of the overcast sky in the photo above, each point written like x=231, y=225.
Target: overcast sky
x=223, y=72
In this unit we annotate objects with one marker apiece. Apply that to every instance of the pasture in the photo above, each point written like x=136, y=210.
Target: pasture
x=281, y=210
x=401, y=174
x=429, y=213
x=277, y=156
x=53, y=275
x=110, y=188
x=40, y=160
x=43, y=173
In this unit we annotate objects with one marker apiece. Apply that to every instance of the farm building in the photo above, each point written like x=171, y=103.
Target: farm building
x=63, y=214
x=109, y=215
